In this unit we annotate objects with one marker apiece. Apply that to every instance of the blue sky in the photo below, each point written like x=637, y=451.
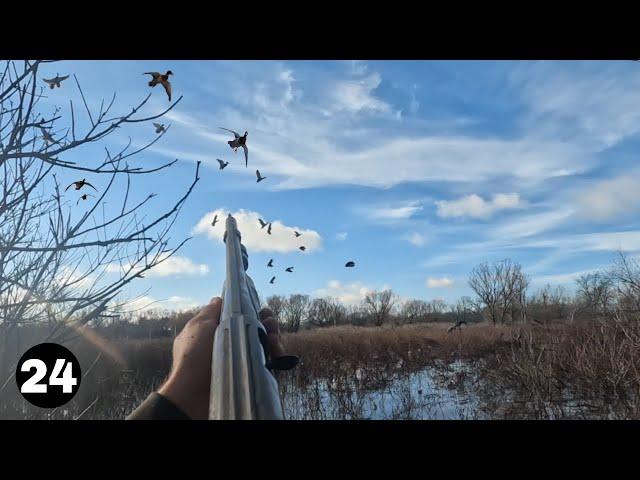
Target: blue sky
x=416, y=170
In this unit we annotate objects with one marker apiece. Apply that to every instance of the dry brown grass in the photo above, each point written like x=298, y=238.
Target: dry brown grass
x=525, y=371
x=558, y=370
x=338, y=351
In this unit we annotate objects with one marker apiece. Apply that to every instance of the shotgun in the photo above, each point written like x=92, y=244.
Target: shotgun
x=243, y=386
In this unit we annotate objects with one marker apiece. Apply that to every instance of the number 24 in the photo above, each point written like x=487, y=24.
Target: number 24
x=32, y=386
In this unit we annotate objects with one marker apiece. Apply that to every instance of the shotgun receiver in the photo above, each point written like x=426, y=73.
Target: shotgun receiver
x=242, y=385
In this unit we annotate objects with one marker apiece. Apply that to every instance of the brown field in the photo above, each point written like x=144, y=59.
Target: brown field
x=590, y=370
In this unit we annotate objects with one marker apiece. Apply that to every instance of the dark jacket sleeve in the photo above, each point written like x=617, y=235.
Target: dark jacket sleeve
x=157, y=407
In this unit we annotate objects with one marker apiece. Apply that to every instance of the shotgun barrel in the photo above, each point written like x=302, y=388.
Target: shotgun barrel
x=242, y=387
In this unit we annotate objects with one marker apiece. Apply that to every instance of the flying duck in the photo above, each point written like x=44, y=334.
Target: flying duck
x=350, y=264
x=215, y=220
x=157, y=78
x=55, y=81
x=290, y=270
x=84, y=197
x=260, y=177
x=262, y=223
x=79, y=184
x=222, y=163
x=237, y=142
x=270, y=264
x=273, y=279
x=159, y=127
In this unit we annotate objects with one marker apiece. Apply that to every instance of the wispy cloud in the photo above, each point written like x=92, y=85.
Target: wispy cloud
x=348, y=293
x=356, y=95
x=390, y=213
x=342, y=236
x=443, y=282
x=282, y=238
x=417, y=239
x=174, y=265
x=474, y=206
x=611, y=199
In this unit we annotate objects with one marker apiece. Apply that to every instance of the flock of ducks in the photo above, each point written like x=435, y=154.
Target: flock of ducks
x=239, y=141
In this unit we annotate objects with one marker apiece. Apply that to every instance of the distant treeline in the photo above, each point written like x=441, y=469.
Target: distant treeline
x=502, y=296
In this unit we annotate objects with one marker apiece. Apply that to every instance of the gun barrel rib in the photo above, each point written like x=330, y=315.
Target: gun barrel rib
x=241, y=385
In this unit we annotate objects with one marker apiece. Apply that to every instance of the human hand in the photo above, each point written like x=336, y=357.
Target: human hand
x=189, y=381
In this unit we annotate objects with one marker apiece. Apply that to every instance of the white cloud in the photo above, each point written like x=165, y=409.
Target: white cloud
x=341, y=236
x=443, y=282
x=305, y=144
x=417, y=239
x=529, y=225
x=390, y=213
x=597, y=103
x=356, y=95
x=611, y=199
x=475, y=206
x=172, y=266
x=282, y=238
x=176, y=265
x=561, y=278
x=145, y=303
x=348, y=294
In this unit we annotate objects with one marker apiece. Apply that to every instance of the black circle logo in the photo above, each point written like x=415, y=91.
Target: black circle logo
x=48, y=375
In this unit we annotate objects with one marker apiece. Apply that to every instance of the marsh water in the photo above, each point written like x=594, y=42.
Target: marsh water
x=428, y=394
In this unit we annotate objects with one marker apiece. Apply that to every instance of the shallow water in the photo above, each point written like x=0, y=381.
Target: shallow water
x=429, y=394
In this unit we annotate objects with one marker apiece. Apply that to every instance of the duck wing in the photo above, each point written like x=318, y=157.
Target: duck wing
x=88, y=184
x=246, y=155
x=153, y=74
x=49, y=81
x=167, y=87
x=236, y=134
x=69, y=186
x=62, y=79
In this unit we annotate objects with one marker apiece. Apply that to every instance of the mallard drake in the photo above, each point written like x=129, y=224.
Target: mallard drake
x=162, y=79
x=270, y=264
x=262, y=223
x=79, y=184
x=290, y=269
x=222, y=163
x=159, y=127
x=84, y=197
x=237, y=142
x=273, y=279
x=55, y=81
x=260, y=177
x=350, y=264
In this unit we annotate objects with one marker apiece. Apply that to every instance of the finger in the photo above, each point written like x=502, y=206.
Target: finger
x=210, y=312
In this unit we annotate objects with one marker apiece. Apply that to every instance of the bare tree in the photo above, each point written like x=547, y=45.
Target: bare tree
x=325, y=311
x=501, y=289
x=379, y=305
x=277, y=304
x=295, y=309
x=415, y=311
x=596, y=293
x=626, y=274
x=64, y=262
x=463, y=310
